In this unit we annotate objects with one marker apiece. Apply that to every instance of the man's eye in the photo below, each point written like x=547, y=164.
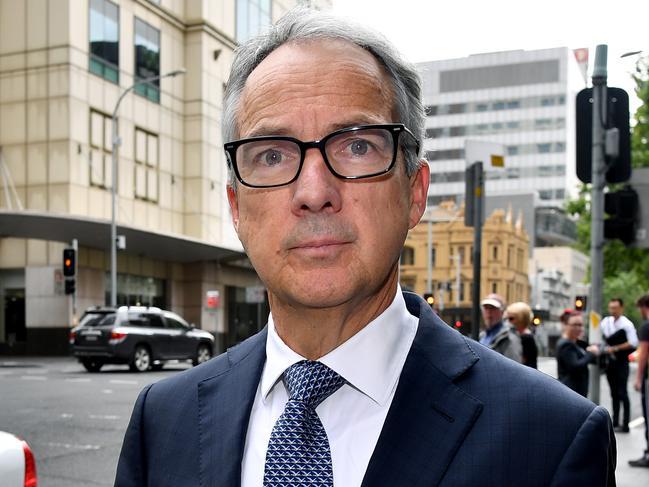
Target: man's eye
x=359, y=147
x=272, y=157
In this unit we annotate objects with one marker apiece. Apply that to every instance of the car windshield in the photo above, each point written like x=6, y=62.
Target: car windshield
x=97, y=319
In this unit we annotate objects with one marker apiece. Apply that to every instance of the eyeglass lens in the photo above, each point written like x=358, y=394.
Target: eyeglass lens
x=355, y=153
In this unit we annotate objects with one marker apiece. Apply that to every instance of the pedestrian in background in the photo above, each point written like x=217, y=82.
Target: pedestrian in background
x=497, y=334
x=572, y=358
x=520, y=316
x=621, y=339
x=641, y=375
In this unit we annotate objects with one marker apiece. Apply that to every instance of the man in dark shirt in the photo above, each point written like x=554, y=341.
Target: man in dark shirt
x=641, y=376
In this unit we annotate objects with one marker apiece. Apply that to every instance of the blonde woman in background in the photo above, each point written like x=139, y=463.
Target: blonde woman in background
x=520, y=316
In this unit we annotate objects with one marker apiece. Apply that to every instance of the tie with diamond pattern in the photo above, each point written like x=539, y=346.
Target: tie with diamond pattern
x=298, y=451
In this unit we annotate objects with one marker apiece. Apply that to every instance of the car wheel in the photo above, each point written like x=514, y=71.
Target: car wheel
x=203, y=354
x=141, y=360
x=92, y=365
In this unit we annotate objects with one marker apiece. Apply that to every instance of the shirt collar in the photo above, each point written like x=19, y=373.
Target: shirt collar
x=370, y=361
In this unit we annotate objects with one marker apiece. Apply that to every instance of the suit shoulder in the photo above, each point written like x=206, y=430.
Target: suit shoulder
x=531, y=389
x=251, y=348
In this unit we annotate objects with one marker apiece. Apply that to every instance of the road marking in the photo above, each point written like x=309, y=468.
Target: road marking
x=33, y=377
x=123, y=381
x=107, y=391
x=637, y=422
x=73, y=446
x=103, y=416
x=66, y=415
x=78, y=380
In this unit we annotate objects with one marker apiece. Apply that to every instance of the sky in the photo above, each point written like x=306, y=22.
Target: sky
x=427, y=30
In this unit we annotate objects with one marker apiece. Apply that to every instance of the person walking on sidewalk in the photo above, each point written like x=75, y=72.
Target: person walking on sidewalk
x=572, y=359
x=621, y=339
x=641, y=375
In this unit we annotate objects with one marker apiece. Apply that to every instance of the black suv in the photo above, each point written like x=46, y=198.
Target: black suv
x=142, y=337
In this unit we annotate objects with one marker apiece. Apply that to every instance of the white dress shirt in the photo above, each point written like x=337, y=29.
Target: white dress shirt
x=370, y=361
x=610, y=325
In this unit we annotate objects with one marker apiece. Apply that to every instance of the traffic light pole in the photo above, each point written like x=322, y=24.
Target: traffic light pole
x=597, y=210
x=478, y=198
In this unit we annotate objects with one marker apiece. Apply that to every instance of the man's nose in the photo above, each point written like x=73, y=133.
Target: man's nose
x=316, y=189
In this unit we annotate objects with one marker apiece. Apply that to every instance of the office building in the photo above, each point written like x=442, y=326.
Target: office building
x=523, y=100
x=64, y=64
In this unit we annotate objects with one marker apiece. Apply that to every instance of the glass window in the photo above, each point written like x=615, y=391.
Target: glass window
x=253, y=17
x=513, y=104
x=512, y=150
x=104, y=39
x=174, y=323
x=499, y=105
x=457, y=108
x=100, y=155
x=155, y=321
x=482, y=107
x=407, y=256
x=545, y=194
x=147, y=59
x=543, y=148
x=146, y=165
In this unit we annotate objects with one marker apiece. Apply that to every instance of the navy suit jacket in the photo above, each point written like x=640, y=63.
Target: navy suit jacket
x=462, y=415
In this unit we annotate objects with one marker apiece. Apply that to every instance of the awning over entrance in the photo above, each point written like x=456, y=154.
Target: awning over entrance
x=95, y=233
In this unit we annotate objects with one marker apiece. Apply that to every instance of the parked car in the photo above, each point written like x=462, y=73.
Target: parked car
x=142, y=337
x=17, y=464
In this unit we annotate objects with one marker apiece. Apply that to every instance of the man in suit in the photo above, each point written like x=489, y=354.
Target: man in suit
x=352, y=382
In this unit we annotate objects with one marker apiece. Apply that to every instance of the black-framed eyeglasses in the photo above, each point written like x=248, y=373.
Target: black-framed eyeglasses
x=358, y=152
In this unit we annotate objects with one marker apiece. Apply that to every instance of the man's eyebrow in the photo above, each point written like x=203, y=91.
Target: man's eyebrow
x=271, y=129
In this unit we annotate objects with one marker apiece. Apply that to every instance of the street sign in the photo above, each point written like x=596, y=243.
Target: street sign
x=212, y=300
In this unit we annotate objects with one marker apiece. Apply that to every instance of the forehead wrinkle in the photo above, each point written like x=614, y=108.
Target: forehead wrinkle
x=312, y=85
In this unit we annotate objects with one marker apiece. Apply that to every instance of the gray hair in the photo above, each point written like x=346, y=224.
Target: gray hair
x=302, y=24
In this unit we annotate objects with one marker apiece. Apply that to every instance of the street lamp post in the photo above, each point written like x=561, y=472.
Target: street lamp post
x=115, y=147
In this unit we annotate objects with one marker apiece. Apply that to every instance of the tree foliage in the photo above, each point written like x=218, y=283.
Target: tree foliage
x=626, y=270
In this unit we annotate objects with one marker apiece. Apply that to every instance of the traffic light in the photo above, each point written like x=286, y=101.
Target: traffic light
x=70, y=285
x=580, y=303
x=536, y=321
x=430, y=299
x=622, y=209
x=69, y=262
x=619, y=167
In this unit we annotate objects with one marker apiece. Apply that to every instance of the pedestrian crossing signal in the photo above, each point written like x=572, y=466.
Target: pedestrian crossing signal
x=580, y=303
x=430, y=299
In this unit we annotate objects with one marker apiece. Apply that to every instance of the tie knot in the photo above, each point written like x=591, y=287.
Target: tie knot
x=311, y=382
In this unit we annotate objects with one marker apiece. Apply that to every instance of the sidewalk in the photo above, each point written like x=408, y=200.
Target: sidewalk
x=629, y=445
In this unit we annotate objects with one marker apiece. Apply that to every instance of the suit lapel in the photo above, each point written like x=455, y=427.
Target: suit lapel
x=224, y=404
x=430, y=415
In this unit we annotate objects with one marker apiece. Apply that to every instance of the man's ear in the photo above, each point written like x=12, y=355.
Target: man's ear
x=234, y=206
x=419, y=193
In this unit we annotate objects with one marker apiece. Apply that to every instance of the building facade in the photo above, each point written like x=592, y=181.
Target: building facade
x=64, y=64
x=438, y=256
x=523, y=100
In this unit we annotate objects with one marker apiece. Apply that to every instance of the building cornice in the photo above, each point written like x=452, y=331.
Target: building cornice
x=194, y=26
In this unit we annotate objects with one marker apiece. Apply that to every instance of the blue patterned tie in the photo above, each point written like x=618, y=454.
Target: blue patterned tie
x=298, y=451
